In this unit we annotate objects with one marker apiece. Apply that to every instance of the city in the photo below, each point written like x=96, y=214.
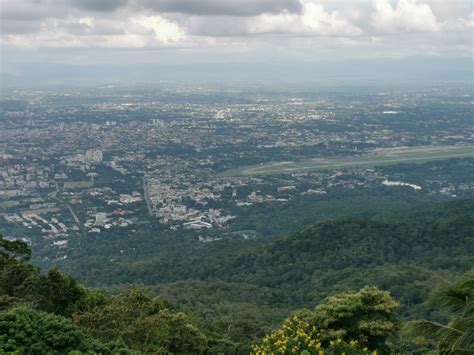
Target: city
x=113, y=163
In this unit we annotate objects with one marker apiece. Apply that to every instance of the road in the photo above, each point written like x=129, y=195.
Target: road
x=147, y=198
x=74, y=216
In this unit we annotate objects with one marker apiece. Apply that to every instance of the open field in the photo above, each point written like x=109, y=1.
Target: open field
x=378, y=157
x=68, y=185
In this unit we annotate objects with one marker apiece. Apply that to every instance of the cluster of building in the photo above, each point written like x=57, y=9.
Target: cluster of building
x=87, y=168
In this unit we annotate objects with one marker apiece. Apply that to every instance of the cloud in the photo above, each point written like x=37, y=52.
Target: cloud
x=162, y=30
x=223, y=7
x=407, y=15
x=133, y=32
x=314, y=19
x=28, y=13
x=468, y=22
x=19, y=26
x=99, y=5
x=210, y=29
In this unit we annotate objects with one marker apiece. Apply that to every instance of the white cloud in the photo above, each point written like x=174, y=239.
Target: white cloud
x=317, y=20
x=331, y=27
x=83, y=32
x=164, y=31
x=407, y=15
x=280, y=23
x=468, y=22
x=314, y=19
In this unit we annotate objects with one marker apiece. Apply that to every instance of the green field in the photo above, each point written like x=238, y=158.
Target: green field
x=70, y=185
x=8, y=204
x=380, y=157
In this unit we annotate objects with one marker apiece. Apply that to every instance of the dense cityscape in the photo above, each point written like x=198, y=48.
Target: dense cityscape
x=94, y=161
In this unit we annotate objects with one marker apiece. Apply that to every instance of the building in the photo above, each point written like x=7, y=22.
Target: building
x=100, y=218
x=94, y=156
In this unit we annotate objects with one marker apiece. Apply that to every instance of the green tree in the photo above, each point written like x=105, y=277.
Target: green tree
x=350, y=322
x=54, y=292
x=27, y=331
x=457, y=301
x=298, y=335
x=366, y=316
x=14, y=269
x=13, y=250
x=143, y=323
x=22, y=283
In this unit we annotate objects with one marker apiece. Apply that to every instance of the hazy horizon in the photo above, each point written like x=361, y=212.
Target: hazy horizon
x=412, y=71
x=51, y=42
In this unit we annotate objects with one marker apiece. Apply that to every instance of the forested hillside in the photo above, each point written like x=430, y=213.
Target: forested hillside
x=223, y=300
x=405, y=253
x=52, y=314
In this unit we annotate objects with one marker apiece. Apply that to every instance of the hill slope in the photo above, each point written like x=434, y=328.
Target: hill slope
x=405, y=254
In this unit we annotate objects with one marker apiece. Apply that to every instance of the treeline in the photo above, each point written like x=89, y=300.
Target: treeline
x=225, y=298
x=405, y=254
x=52, y=314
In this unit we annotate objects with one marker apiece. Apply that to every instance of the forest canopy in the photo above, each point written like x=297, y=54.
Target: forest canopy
x=341, y=286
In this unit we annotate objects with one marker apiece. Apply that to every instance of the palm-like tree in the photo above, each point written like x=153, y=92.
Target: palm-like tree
x=457, y=300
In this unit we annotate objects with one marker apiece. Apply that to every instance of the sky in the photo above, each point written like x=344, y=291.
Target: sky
x=122, y=35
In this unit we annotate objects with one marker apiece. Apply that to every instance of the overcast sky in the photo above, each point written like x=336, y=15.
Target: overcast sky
x=130, y=32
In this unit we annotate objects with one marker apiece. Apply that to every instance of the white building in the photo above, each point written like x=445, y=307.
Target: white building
x=100, y=218
x=94, y=156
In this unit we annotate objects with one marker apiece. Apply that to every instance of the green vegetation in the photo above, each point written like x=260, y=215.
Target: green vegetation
x=354, y=321
x=386, y=157
x=240, y=313
x=50, y=313
x=143, y=322
x=406, y=255
x=298, y=336
x=457, y=336
x=230, y=297
x=70, y=185
x=27, y=331
x=366, y=316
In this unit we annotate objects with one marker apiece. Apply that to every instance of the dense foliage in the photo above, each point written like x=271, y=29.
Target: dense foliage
x=366, y=316
x=26, y=331
x=457, y=336
x=352, y=322
x=117, y=257
x=144, y=323
x=52, y=314
x=226, y=297
x=406, y=254
x=298, y=336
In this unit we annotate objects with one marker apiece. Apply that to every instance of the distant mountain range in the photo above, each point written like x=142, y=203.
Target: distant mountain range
x=410, y=71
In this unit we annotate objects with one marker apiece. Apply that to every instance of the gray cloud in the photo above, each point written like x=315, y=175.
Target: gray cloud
x=26, y=16
x=19, y=26
x=31, y=10
x=223, y=7
x=99, y=5
x=203, y=30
